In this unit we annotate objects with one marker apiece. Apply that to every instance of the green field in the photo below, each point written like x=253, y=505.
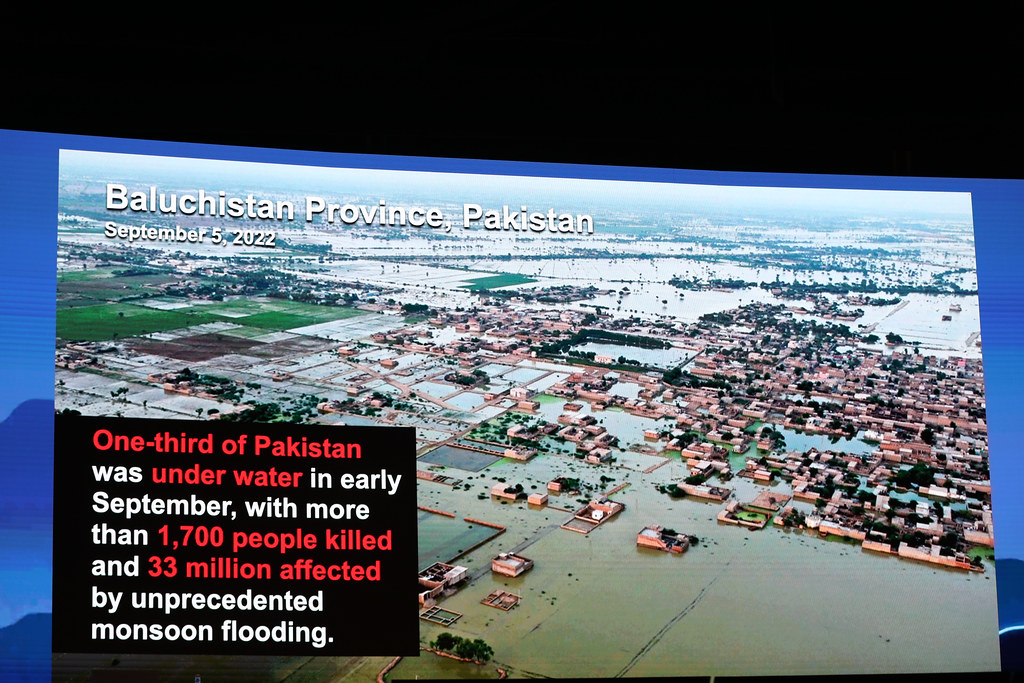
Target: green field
x=486, y=282
x=89, y=287
x=111, y=321
x=118, y=320
x=278, y=314
x=244, y=332
x=286, y=320
x=239, y=308
x=84, y=275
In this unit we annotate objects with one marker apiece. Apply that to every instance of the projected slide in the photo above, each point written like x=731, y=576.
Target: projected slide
x=660, y=429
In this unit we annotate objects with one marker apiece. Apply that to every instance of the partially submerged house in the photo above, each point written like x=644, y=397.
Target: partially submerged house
x=660, y=538
x=510, y=564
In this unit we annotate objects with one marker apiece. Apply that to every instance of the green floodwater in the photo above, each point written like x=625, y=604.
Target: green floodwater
x=442, y=538
x=741, y=602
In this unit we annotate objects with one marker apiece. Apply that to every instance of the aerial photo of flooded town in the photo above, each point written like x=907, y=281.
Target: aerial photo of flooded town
x=715, y=430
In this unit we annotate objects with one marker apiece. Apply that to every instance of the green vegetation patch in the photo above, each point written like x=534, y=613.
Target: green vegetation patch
x=245, y=332
x=240, y=308
x=476, y=650
x=297, y=315
x=277, y=321
x=482, y=284
x=108, y=284
x=749, y=516
x=982, y=552
x=117, y=320
x=69, y=276
x=111, y=321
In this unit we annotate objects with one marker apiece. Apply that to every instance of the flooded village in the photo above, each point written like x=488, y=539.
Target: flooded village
x=668, y=455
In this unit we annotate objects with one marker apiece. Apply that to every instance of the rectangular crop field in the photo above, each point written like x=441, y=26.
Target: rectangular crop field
x=112, y=321
x=84, y=287
x=119, y=320
x=493, y=281
x=287, y=315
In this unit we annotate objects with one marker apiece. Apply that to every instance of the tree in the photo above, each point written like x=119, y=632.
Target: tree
x=463, y=647
x=482, y=651
x=919, y=474
x=445, y=641
x=473, y=649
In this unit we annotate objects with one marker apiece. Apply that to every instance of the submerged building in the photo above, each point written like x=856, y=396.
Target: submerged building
x=437, y=578
x=660, y=538
x=510, y=564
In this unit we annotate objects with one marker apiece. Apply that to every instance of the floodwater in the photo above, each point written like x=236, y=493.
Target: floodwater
x=435, y=389
x=799, y=441
x=740, y=602
x=442, y=538
x=628, y=427
x=662, y=358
